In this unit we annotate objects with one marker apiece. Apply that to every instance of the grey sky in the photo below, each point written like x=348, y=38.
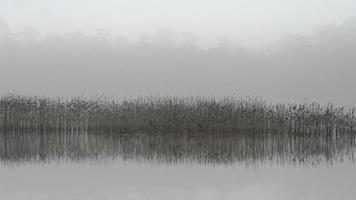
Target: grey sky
x=252, y=23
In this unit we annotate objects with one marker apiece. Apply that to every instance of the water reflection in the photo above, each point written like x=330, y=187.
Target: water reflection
x=244, y=149
x=133, y=180
x=91, y=166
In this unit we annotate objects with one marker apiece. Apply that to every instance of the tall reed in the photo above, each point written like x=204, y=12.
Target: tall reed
x=174, y=129
x=165, y=115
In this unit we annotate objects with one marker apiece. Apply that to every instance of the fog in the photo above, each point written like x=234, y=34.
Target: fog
x=252, y=23
x=306, y=66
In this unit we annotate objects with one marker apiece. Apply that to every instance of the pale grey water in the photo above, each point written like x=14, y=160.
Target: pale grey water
x=136, y=181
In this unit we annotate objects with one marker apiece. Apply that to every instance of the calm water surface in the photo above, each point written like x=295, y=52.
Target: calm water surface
x=148, y=180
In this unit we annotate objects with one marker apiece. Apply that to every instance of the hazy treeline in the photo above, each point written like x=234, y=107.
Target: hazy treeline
x=319, y=65
x=167, y=115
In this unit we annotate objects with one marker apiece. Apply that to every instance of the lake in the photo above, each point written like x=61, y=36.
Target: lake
x=148, y=180
x=82, y=166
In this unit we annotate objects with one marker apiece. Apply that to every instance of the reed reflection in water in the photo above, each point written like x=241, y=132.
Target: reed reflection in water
x=244, y=149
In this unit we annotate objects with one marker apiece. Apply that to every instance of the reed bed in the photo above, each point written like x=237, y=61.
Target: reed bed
x=174, y=129
x=167, y=115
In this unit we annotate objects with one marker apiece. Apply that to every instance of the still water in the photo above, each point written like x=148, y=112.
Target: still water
x=132, y=180
x=82, y=166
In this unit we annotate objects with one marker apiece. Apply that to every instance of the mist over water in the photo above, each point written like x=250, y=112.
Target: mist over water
x=112, y=142
x=128, y=181
x=317, y=66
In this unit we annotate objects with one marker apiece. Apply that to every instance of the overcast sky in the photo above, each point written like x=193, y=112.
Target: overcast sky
x=279, y=50
x=251, y=23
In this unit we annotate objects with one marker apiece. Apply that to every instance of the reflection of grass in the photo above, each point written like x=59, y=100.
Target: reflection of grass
x=171, y=129
x=176, y=148
x=172, y=115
